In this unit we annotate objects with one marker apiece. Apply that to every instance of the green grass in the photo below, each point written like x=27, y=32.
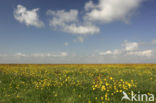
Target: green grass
x=18, y=83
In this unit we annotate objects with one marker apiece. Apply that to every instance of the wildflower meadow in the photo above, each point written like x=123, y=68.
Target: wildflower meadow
x=74, y=83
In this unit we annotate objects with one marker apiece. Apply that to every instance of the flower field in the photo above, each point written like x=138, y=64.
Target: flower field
x=74, y=83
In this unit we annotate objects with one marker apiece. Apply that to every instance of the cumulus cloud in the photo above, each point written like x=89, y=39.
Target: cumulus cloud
x=67, y=21
x=62, y=17
x=28, y=17
x=147, y=53
x=81, y=29
x=105, y=11
x=128, y=49
x=109, y=56
x=89, y=5
x=111, y=10
x=130, y=46
x=109, y=52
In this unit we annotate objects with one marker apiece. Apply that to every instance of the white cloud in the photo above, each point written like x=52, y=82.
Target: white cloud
x=54, y=57
x=41, y=55
x=130, y=46
x=67, y=21
x=61, y=54
x=130, y=49
x=105, y=11
x=111, y=10
x=81, y=29
x=147, y=53
x=109, y=52
x=142, y=56
x=89, y=5
x=62, y=17
x=66, y=43
x=154, y=42
x=20, y=54
x=28, y=17
x=117, y=51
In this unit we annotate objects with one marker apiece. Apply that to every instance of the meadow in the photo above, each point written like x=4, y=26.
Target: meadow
x=74, y=83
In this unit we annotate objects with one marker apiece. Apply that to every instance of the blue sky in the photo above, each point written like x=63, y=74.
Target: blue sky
x=78, y=31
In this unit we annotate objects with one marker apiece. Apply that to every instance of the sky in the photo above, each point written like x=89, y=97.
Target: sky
x=77, y=31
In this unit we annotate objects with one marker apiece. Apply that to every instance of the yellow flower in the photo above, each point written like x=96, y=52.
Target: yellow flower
x=17, y=96
x=101, y=98
x=103, y=88
x=55, y=95
x=96, y=98
x=79, y=96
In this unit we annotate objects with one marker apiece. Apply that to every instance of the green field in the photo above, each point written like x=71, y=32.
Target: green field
x=75, y=83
